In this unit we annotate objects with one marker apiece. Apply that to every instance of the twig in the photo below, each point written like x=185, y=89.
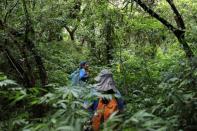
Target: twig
x=9, y=11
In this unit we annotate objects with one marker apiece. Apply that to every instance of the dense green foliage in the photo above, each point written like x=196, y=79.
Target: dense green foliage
x=154, y=67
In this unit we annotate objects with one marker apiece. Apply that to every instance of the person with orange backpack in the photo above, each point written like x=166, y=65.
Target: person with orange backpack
x=109, y=99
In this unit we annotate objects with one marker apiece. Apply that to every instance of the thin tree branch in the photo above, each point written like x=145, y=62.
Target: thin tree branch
x=9, y=11
x=178, y=18
x=68, y=29
x=155, y=15
x=179, y=33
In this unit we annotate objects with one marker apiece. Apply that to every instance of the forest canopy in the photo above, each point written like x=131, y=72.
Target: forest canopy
x=150, y=46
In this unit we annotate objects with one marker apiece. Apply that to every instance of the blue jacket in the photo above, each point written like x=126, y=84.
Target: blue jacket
x=83, y=74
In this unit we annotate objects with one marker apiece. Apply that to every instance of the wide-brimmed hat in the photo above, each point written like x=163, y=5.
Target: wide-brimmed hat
x=103, y=73
x=105, y=81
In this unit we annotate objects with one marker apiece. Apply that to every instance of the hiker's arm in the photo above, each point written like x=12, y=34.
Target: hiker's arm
x=120, y=104
x=94, y=105
x=91, y=107
x=83, y=74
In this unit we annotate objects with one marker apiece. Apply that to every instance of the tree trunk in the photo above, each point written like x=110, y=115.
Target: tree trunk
x=93, y=43
x=109, y=42
x=29, y=32
x=28, y=66
x=71, y=32
x=183, y=42
x=39, y=62
x=16, y=66
x=72, y=36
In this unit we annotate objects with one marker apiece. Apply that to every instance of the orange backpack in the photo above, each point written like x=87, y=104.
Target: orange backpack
x=103, y=112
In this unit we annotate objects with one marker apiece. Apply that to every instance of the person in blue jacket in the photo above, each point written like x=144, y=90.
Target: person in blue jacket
x=83, y=71
x=81, y=75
